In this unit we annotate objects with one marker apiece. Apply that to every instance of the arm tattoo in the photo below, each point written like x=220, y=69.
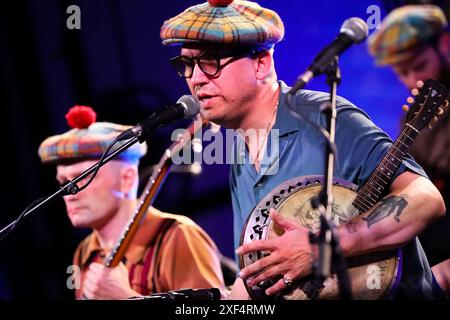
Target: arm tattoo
x=351, y=226
x=392, y=205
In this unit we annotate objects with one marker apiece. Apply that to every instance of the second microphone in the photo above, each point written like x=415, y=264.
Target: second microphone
x=186, y=107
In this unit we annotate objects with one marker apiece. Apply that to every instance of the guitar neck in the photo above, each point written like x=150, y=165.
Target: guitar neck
x=145, y=201
x=374, y=188
x=149, y=194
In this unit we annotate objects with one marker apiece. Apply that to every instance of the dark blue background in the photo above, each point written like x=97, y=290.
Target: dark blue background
x=116, y=64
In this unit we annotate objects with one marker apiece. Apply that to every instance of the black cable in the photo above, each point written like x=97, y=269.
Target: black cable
x=100, y=162
x=68, y=188
x=6, y=230
x=299, y=116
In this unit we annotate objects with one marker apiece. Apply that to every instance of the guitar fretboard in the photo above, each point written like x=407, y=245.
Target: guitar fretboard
x=375, y=187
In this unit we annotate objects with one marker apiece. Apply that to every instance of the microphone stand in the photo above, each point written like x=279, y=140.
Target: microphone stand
x=70, y=187
x=330, y=255
x=207, y=294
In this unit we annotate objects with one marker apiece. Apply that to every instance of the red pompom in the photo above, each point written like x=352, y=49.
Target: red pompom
x=219, y=3
x=80, y=117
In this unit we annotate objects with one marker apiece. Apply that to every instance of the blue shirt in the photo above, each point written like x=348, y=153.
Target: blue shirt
x=361, y=145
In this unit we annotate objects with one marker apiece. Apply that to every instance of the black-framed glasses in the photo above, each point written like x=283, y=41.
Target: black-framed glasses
x=209, y=63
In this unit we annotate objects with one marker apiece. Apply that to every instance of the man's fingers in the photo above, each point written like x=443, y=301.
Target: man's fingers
x=257, y=266
x=258, y=245
x=267, y=274
x=276, y=288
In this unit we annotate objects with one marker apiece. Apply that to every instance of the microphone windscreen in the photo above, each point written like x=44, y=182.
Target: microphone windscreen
x=191, y=104
x=356, y=29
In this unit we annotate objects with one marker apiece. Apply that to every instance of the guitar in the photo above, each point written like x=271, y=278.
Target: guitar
x=293, y=199
x=149, y=193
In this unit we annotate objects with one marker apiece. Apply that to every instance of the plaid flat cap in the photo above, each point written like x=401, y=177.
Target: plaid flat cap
x=404, y=32
x=87, y=140
x=237, y=23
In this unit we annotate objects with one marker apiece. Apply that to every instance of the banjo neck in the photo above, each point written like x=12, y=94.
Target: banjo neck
x=428, y=105
x=371, y=192
x=150, y=192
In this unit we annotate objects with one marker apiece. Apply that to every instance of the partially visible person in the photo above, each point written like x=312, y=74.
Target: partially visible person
x=168, y=252
x=414, y=41
x=390, y=5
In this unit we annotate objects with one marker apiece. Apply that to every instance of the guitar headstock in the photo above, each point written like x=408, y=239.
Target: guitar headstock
x=429, y=104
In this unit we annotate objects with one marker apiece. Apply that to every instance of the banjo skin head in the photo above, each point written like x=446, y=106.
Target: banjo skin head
x=372, y=276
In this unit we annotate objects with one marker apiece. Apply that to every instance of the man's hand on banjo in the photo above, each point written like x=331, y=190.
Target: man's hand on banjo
x=290, y=256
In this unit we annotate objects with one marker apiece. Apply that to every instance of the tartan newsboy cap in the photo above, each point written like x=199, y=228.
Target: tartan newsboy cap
x=87, y=140
x=404, y=32
x=236, y=23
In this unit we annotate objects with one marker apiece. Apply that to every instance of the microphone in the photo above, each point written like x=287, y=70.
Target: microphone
x=353, y=30
x=184, y=294
x=186, y=107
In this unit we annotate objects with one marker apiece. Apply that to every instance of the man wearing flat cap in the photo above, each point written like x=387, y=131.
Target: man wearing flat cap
x=168, y=252
x=227, y=60
x=414, y=40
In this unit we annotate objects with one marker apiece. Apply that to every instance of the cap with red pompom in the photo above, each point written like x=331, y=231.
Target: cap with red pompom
x=225, y=22
x=80, y=117
x=219, y=3
x=87, y=139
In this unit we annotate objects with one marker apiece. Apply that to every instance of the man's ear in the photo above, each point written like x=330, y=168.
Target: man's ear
x=264, y=64
x=128, y=176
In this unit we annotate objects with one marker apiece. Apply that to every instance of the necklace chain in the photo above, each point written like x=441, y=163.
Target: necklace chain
x=257, y=161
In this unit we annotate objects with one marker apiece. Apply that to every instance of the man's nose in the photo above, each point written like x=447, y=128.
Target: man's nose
x=198, y=76
x=71, y=197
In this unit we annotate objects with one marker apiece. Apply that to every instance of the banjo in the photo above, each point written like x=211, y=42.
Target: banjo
x=375, y=275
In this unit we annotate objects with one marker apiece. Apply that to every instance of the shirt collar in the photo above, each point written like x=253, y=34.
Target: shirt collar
x=285, y=122
x=146, y=233
x=90, y=247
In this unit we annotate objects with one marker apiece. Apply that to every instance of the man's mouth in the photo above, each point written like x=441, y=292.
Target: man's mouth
x=204, y=99
x=74, y=210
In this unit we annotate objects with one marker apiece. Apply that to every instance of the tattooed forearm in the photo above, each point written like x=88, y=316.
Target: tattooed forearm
x=392, y=205
x=351, y=226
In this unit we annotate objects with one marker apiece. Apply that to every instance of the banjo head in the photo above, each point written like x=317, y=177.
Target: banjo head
x=372, y=276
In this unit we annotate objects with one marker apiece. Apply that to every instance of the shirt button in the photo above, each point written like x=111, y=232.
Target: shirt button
x=259, y=184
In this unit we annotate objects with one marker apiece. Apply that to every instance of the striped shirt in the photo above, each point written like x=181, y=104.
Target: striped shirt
x=168, y=252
